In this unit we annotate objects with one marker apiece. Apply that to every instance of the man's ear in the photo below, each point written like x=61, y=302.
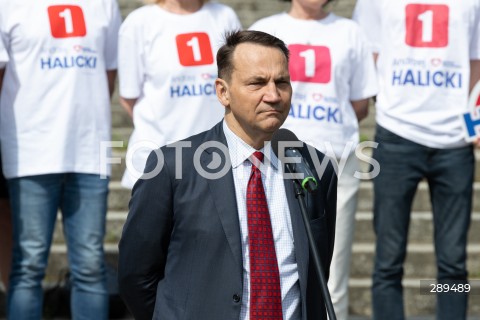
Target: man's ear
x=221, y=88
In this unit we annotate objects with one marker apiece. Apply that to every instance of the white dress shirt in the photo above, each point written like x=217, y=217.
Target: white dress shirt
x=240, y=152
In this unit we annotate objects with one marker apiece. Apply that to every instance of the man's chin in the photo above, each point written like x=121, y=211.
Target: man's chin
x=273, y=125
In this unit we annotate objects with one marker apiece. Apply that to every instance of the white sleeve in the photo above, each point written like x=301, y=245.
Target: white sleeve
x=3, y=44
x=268, y=25
x=367, y=14
x=131, y=67
x=225, y=18
x=475, y=40
x=111, y=43
x=363, y=79
x=260, y=25
x=234, y=22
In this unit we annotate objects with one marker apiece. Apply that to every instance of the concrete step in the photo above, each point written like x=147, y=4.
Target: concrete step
x=421, y=228
x=417, y=305
x=360, y=286
x=120, y=119
x=119, y=196
x=419, y=263
x=118, y=168
x=421, y=201
x=121, y=134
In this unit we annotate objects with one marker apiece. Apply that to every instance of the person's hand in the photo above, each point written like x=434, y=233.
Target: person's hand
x=476, y=142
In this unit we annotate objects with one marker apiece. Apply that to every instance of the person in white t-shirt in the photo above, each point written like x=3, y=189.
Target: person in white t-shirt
x=333, y=76
x=167, y=71
x=55, y=113
x=428, y=60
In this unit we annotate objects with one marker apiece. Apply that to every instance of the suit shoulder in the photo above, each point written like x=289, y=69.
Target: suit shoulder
x=195, y=143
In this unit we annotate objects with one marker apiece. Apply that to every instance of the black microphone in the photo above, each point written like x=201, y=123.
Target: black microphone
x=297, y=165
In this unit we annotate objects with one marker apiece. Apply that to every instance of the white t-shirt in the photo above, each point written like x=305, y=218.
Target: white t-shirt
x=168, y=62
x=423, y=65
x=330, y=65
x=55, y=102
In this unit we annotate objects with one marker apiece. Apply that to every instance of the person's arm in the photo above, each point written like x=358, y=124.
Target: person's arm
x=367, y=14
x=111, y=76
x=363, y=77
x=2, y=72
x=145, y=239
x=128, y=105
x=361, y=108
x=132, y=69
x=474, y=73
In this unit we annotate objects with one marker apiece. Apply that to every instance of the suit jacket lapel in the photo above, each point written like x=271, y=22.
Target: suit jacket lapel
x=223, y=193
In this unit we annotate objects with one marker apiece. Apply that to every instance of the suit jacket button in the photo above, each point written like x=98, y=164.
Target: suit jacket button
x=236, y=298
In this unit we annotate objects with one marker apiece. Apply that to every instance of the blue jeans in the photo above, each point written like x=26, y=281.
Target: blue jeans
x=82, y=199
x=449, y=173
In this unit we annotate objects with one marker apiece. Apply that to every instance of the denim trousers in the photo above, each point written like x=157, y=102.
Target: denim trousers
x=449, y=174
x=35, y=201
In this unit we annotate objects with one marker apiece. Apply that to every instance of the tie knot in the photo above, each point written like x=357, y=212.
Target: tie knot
x=256, y=159
x=258, y=155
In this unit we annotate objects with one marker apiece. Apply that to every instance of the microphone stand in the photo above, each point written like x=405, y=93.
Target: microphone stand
x=300, y=195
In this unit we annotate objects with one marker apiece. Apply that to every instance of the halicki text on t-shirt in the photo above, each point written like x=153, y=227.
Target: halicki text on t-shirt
x=434, y=72
x=192, y=90
x=67, y=62
x=427, y=78
x=316, y=112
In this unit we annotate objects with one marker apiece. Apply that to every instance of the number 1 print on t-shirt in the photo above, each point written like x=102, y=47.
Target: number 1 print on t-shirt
x=194, y=49
x=310, y=63
x=427, y=25
x=66, y=21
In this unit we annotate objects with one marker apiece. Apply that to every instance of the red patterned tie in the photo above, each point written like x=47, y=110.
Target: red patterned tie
x=265, y=292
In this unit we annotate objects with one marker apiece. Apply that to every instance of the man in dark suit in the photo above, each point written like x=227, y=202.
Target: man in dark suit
x=190, y=246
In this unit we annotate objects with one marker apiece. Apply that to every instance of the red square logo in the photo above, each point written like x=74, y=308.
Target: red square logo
x=194, y=49
x=427, y=25
x=310, y=63
x=67, y=21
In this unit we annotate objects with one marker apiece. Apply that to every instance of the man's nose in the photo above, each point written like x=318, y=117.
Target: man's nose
x=272, y=93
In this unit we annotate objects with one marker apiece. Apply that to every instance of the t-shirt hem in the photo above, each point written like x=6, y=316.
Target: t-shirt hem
x=406, y=134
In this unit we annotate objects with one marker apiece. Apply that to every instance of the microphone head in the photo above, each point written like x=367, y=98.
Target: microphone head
x=282, y=135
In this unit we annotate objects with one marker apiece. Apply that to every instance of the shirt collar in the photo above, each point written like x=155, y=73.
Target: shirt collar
x=240, y=151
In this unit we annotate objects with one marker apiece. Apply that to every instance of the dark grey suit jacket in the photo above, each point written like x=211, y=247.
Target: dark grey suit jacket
x=180, y=251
